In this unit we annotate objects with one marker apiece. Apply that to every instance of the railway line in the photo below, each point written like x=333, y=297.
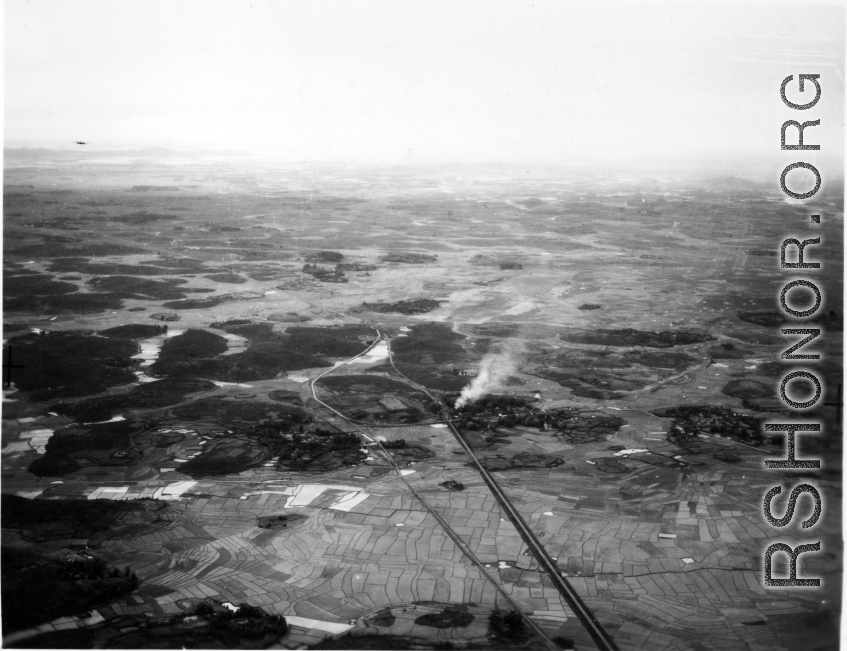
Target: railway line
x=457, y=540
x=601, y=637
x=593, y=627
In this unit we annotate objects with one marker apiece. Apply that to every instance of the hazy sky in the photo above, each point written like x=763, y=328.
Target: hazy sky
x=421, y=81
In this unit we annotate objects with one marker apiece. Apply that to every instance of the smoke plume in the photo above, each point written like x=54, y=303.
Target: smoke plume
x=494, y=369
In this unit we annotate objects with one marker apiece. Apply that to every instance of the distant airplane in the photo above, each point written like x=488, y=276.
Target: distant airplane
x=80, y=143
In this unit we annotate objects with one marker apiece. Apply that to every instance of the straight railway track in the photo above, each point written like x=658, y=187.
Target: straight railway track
x=601, y=637
x=593, y=627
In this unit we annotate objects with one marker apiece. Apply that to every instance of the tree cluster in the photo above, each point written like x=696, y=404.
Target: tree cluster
x=299, y=449
x=688, y=421
x=509, y=625
x=325, y=274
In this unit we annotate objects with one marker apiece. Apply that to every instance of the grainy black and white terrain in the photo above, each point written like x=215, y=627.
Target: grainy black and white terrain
x=229, y=381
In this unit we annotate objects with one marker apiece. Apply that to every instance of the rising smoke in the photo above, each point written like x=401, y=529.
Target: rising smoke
x=494, y=369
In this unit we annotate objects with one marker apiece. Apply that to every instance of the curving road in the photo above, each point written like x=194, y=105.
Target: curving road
x=457, y=540
x=601, y=637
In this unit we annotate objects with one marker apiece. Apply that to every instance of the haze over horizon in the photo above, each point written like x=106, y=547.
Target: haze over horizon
x=404, y=324
x=423, y=83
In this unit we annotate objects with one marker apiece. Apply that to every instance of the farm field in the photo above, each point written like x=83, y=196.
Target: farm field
x=231, y=389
